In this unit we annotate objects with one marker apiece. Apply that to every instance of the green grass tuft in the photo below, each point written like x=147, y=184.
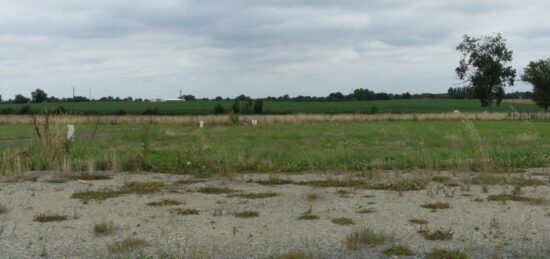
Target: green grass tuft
x=446, y=254
x=246, y=214
x=399, y=250
x=366, y=237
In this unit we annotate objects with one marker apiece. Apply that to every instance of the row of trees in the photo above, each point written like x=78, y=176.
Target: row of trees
x=485, y=68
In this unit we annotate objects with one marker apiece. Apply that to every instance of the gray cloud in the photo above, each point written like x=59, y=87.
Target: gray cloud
x=271, y=47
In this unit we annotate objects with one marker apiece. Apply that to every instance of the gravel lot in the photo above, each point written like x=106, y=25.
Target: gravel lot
x=481, y=228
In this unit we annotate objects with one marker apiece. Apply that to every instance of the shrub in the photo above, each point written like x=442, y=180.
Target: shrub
x=366, y=236
x=218, y=109
x=399, y=250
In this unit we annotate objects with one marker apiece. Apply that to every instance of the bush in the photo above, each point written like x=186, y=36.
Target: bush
x=233, y=118
x=25, y=110
x=258, y=106
x=218, y=109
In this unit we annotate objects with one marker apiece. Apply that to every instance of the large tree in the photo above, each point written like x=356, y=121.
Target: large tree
x=484, y=66
x=21, y=99
x=538, y=74
x=39, y=96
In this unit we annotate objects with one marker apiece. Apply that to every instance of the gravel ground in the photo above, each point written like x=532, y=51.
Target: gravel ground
x=481, y=228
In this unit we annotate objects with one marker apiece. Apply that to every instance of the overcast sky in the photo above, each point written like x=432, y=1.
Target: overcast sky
x=254, y=47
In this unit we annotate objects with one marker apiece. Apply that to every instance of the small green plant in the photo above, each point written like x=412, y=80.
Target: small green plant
x=399, y=250
x=313, y=196
x=188, y=181
x=165, y=202
x=142, y=187
x=49, y=217
x=104, y=228
x=446, y=254
x=96, y=195
x=126, y=245
x=436, y=205
x=246, y=214
x=342, y=221
x=180, y=211
x=366, y=237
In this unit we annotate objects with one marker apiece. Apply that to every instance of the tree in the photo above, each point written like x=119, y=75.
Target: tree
x=39, y=96
x=538, y=74
x=484, y=67
x=236, y=108
x=21, y=99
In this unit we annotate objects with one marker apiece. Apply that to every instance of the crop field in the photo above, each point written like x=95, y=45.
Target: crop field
x=281, y=107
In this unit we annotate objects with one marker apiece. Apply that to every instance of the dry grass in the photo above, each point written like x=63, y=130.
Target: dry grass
x=126, y=245
x=366, y=237
x=165, y=202
x=49, y=217
x=274, y=181
x=261, y=195
x=57, y=180
x=180, y=211
x=86, y=196
x=308, y=215
x=438, y=234
x=446, y=254
x=90, y=177
x=142, y=187
x=104, y=228
x=517, y=198
x=262, y=119
x=295, y=255
x=313, y=196
x=399, y=250
x=216, y=190
x=418, y=221
x=366, y=211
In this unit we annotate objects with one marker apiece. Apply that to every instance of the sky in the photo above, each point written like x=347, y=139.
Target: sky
x=209, y=48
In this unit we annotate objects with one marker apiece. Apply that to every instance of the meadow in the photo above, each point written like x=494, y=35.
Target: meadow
x=282, y=147
x=278, y=107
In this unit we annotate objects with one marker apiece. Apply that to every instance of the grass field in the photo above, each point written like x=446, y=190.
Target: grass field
x=280, y=107
x=328, y=146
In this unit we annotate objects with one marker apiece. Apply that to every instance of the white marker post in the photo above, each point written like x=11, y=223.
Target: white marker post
x=70, y=132
x=254, y=122
x=201, y=124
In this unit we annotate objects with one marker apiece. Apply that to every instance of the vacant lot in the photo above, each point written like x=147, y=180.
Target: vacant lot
x=488, y=146
x=261, y=216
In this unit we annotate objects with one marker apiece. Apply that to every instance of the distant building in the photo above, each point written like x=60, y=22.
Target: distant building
x=160, y=100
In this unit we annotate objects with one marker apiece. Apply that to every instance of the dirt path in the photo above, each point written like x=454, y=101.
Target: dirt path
x=199, y=216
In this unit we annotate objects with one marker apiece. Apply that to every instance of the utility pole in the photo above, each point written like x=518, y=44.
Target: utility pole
x=73, y=92
x=181, y=93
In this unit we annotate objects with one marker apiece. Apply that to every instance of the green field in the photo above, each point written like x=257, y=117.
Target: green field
x=328, y=146
x=279, y=107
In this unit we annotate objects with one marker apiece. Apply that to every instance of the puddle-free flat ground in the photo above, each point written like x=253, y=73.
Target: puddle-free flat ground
x=480, y=227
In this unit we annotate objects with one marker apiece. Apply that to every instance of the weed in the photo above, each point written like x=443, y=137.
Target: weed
x=441, y=179
x=308, y=215
x=295, y=255
x=142, y=187
x=261, y=195
x=399, y=250
x=57, y=180
x=187, y=181
x=342, y=221
x=366, y=236
x=104, y=228
x=274, y=181
x=246, y=214
x=215, y=190
x=511, y=197
x=49, y=217
x=366, y=211
x=446, y=254
x=165, y=202
x=180, y=211
x=313, y=196
x=126, y=245
x=439, y=234
x=96, y=195
x=3, y=209
x=436, y=205
x=90, y=177
x=418, y=221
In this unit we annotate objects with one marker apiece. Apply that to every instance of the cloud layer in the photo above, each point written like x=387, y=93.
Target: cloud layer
x=260, y=48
